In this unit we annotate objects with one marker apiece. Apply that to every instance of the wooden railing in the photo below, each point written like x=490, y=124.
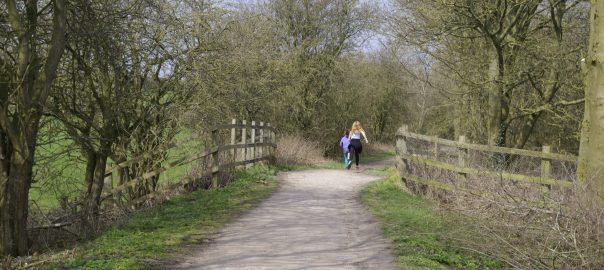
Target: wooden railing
x=256, y=144
x=459, y=162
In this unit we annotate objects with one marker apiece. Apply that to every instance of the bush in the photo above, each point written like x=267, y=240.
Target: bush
x=295, y=150
x=374, y=148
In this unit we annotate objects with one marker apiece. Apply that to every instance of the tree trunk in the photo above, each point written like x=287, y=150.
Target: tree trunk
x=6, y=235
x=94, y=199
x=528, y=126
x=15, y=181
x=496, y=128
x=91, y=161
x=591, y=151
x=20, y=177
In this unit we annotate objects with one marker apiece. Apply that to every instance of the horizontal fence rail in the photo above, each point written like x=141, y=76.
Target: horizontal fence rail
x=238, y=144
x=250, y=150
x=426, y=153
x=486, y=148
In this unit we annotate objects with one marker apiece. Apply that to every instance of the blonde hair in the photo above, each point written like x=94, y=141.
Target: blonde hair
x=356, y=127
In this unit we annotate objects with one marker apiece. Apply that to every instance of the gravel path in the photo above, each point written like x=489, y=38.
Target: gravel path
x=313, y=221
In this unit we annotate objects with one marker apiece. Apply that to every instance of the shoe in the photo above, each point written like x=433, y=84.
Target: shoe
x=348, y=165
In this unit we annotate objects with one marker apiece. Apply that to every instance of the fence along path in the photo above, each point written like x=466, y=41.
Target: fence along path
x=251, y=149
x=410, y=157
x=256, y=144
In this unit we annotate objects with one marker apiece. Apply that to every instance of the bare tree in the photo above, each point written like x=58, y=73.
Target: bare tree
x=29, y=68
x=508, y=56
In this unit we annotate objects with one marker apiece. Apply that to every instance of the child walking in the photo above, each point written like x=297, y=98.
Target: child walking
x=344, y=143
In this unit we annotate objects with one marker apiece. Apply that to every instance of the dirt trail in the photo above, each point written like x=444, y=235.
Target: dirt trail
x=314, y=221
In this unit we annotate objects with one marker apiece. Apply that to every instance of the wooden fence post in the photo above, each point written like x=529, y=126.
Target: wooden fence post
x=546, y=165
x=435, y=151
x=215, y=158
x=269, y=137
x=253, y=153
x=274, y=141
x=244, y=142
x=462, y=158
x=261, y=148
x=401, y=150
x=233, y=138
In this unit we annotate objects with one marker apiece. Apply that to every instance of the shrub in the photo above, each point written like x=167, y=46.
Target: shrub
x=295, y=150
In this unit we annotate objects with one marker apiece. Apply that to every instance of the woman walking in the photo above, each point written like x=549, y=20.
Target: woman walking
x=355, y=148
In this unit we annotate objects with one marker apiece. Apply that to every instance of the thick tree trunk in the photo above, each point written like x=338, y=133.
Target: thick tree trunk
x=20, y=173
x=591, y=152
x=15, y=181
x=497, y=127
x=6, y=235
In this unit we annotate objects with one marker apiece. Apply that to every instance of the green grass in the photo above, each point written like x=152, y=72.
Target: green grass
x=190, y=148
x=59, y=172
x=377, y=156
x=163, y=230
x=422, y=236
x=61, y=168
x=366, y=157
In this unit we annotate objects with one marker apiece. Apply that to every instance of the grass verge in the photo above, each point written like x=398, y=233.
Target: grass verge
x=338, y=163
x=423, y=237
x=161, y=231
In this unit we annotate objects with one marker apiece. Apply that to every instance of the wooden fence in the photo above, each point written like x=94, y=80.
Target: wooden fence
x=460, y=164
x=256, y=144
x=247, y=144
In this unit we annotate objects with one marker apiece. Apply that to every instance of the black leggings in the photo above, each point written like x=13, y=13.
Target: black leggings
x=356, y=148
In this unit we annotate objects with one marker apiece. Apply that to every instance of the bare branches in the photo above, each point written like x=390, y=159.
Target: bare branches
x=547, y=107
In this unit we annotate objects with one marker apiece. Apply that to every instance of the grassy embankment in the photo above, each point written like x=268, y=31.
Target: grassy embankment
x=161, y=231
x=61, y=168
x=423, y=236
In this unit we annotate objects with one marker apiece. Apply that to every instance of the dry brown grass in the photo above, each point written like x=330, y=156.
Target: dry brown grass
x=526, y=225
x=377, y=147
x=295, y=150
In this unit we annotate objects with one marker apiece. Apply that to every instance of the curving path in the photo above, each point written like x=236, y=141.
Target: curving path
x=313, y=221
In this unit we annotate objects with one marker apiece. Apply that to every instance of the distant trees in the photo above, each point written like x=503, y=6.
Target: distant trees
x=517, y=59
x=315, y=34
x=296, y=64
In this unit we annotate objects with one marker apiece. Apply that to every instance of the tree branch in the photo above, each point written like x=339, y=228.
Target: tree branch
x=548, y=106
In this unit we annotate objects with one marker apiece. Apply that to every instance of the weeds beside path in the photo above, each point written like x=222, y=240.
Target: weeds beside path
x=160, y=232
x=423, y=237
x=420, y=234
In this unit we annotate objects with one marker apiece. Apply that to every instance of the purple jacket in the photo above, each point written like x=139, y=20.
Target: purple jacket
x=344, y=142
